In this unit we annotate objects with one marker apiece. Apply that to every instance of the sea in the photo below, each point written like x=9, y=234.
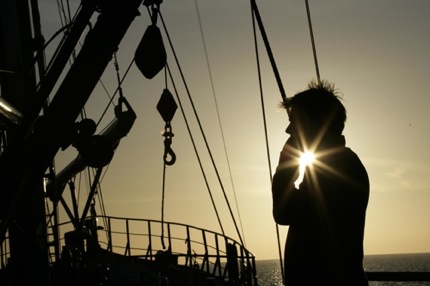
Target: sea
x=269, y=271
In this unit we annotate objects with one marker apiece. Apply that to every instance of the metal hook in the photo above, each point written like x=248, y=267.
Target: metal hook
x=168, y=152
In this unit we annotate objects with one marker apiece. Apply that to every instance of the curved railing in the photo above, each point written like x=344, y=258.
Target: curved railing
x=194, y=247
x=191, y=247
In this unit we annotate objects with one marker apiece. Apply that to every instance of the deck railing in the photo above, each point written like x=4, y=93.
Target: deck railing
x=194, y=247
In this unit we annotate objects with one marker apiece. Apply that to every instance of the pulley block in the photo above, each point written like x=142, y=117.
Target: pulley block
x=150, y=56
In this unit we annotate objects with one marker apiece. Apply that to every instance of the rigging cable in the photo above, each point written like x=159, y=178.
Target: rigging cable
x=196, y=151
x=195, y=148
x=163, y=189
x=218, y=115
x=204, y=138
x=168, y=134
x=313, y=41
x=116, y=90
x=256, y=16
x=256, y=13
x=121, y=96
x=90, y=174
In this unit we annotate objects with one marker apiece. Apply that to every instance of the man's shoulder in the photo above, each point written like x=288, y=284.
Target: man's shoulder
x=354, y=165
x=348, y=162
x=350, y=154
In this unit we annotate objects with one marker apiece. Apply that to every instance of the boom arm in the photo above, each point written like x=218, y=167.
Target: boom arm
x=30, y=157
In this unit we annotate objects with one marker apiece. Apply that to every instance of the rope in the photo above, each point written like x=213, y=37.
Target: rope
x=116, y=91
x=168, y=134
x=187, y=123
x=266, y=134
x=219, y=117
x=100, y=196
x=196, y=152
x=314, y=50
x=111, y=98
x=162, y=205
x=204, y=138
x=121, y=95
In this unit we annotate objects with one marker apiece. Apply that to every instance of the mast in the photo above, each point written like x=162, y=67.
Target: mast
x=28, y=250
x=34, y=146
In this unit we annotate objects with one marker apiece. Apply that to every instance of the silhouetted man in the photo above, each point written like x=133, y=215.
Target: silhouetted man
x=326, y=211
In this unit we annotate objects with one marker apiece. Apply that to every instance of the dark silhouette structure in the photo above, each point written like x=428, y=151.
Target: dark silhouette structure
x=326, y=211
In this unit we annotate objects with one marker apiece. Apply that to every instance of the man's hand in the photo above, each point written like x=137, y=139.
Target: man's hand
x=290, y=151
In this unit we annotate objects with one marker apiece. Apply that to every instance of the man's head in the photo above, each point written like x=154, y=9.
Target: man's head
x=316, y=113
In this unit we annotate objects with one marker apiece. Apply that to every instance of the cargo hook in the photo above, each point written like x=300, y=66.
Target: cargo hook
x=169, y=156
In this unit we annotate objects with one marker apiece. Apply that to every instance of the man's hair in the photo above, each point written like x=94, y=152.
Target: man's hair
x=321, y=103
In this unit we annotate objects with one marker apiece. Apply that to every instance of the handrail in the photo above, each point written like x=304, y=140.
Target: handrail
x=197, y=247
x=193, y=247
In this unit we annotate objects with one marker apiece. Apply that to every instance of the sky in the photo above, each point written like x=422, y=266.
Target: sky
x=376, y=53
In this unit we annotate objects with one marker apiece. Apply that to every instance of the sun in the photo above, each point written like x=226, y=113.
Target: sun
x=306, y=159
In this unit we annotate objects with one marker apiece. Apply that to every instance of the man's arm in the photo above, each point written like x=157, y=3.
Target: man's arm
x=283, y=189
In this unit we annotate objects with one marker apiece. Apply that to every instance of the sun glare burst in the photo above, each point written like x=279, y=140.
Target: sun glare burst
x=306, y=159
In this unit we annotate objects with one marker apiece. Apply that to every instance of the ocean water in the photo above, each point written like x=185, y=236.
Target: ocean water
x=269, y=271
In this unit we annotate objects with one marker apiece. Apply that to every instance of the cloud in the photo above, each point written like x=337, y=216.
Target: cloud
x=397, y=175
